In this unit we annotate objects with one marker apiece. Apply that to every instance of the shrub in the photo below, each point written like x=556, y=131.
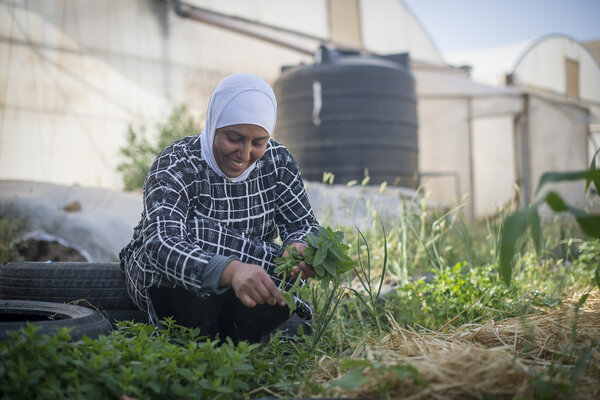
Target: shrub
x=140, y=151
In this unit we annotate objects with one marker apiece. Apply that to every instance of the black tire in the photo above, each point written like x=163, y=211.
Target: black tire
x=16, y=314
x=97, y=285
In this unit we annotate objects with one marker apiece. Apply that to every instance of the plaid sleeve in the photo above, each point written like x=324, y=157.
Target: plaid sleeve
x=294, y=216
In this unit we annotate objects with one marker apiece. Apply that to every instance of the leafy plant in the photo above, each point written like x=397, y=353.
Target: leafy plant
x=133, y=360
x=327, y=254
x=454, y=296
x=516, y=224
x=140, y=151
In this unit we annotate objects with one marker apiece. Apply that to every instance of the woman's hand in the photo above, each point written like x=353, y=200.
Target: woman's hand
x=306, y=270
x=251, y=284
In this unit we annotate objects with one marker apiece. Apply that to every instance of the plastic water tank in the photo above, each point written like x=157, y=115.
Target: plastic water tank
x=348, y=113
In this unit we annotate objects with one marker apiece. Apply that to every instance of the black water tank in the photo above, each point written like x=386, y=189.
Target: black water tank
x=350, y=112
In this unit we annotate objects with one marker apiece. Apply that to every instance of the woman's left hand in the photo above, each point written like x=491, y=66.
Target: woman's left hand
x=305, y=269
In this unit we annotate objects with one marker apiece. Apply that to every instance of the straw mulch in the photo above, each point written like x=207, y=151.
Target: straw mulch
x=544, y=336
x=496, y=359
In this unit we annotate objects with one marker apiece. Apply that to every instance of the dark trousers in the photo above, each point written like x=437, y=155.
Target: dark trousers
x=223, y=315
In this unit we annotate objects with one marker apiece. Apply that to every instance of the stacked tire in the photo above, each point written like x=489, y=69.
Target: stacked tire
x=79, y=295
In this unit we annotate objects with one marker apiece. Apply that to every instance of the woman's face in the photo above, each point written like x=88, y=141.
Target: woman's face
x=236, y=147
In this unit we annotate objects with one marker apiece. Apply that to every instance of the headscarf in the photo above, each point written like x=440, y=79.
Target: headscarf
x=238, y=99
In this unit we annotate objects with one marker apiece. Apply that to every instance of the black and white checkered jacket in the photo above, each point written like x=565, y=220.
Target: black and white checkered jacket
x=194, y=222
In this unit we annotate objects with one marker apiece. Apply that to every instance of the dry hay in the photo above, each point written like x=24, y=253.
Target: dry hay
x=491, y=360
x=542, y=337
x=450, y=370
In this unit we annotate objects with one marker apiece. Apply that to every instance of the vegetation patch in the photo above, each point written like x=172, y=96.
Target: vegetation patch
x=436, y=306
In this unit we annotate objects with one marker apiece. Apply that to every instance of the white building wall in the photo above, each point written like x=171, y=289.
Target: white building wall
x=444, y=148
x=76, y=73
x=493, y=163
x=389, y=27
x=543, y=66
x=557, y=141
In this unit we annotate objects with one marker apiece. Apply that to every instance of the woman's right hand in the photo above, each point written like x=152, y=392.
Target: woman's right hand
x=251, y=284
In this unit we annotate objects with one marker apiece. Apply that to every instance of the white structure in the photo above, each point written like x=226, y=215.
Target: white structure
x=557, y=128
x=466, y=140
x=75, y=74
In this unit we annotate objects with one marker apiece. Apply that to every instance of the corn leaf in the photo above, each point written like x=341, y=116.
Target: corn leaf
x=593, y=178
x=514, y=227
x=556, y=202
x=589, y=223
x=535, y=228
x=592, y=175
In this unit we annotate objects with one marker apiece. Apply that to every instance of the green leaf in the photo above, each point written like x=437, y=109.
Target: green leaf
x=319, y=270
x=312, y=240
x=597, y=276
x=594, y=177
x=351, y=380
x=290, y=301
x=321, y=253
x=330, y=267
x=335, y=250
x=514, y=227
x=589, y=223
x=351, y=363
x=583, y=299
x=554, y=177
x=555, y=202
x=535, y=227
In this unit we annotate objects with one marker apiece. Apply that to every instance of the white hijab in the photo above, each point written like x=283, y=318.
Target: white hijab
x=238, y=99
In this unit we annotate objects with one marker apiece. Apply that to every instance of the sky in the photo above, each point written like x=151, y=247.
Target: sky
x=461, y=25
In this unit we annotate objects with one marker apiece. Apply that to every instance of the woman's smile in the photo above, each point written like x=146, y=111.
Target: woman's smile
x=237, y=147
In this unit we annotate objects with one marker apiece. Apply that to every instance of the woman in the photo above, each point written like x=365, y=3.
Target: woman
x=213, y=205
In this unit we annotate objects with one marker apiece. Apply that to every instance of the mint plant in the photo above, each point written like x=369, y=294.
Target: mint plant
x=134, y=360
x=327, y=254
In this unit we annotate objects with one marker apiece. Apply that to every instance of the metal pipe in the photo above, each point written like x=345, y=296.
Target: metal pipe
x=523, y=153
x=260, y=31
x=471, y=162
x=275, y=34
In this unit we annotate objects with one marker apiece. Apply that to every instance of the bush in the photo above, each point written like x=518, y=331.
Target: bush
x=140, y=152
